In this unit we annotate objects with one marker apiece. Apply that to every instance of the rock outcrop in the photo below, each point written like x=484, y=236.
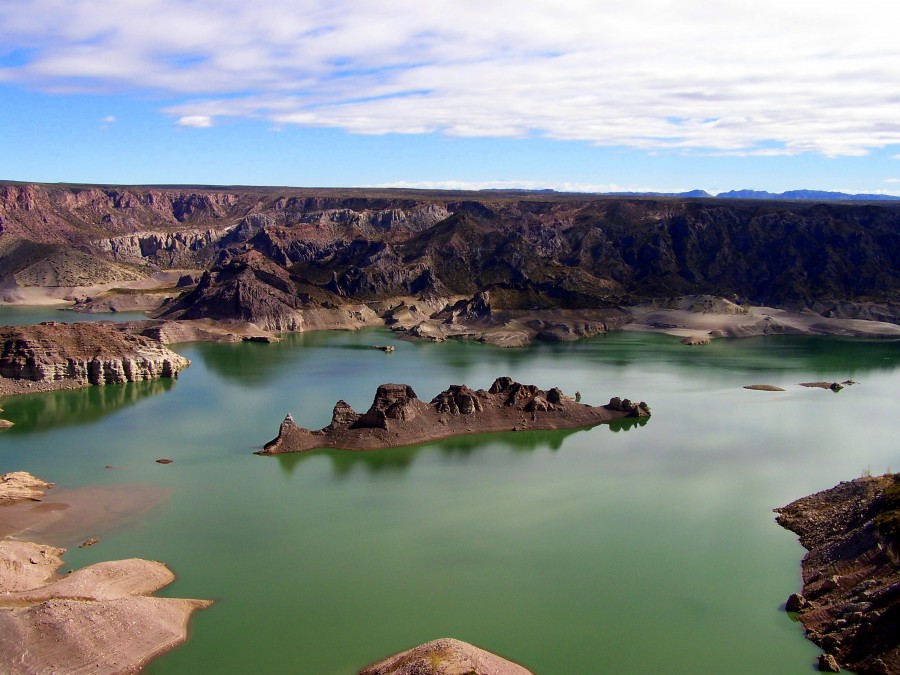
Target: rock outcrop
x=850, y=605
x=398, y=417
x=98, y=619
x=19, y=486
x=53, y=355
x=445, y=656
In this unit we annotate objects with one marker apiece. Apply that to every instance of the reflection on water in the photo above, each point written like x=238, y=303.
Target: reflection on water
x=763, y=353
x=252, y=364
x=15, y=315
x=627, y=423
x=48, y=410
x=400, y=459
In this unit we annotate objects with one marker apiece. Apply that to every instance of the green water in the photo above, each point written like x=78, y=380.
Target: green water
x=24, y=315
x=641, y=548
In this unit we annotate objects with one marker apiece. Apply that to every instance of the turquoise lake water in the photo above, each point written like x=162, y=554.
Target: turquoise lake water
x=639, y=548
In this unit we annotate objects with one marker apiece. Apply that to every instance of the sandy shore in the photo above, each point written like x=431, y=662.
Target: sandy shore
x=67, y=295
x=705, y=317
x=99, y=619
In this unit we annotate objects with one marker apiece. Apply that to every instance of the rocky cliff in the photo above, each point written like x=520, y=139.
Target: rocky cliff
x=529, y=250
x=850, y=605
x=54, y=356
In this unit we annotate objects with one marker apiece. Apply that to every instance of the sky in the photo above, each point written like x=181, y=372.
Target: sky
x=578, y=95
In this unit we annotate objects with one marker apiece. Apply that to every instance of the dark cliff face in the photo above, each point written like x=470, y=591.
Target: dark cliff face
x=529, y=251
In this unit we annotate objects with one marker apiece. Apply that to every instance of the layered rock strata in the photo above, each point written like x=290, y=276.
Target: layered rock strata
x=445, y=656
x=850, y=604
x=53, y=356
x=398, y=417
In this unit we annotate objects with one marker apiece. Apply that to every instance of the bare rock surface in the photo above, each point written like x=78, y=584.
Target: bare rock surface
x=850, y=605
x=445, y=656
x=100, y=619
x=398, y=417
x=53, y=356
x=18, y=486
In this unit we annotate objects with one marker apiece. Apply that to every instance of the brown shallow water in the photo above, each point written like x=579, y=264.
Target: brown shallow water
x=68, y=516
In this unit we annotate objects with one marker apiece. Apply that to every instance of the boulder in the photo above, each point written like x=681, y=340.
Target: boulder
x=796, y=603
x=828, y=664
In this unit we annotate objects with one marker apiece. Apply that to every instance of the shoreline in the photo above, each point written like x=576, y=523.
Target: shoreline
x=696, y=319
x=706, y=317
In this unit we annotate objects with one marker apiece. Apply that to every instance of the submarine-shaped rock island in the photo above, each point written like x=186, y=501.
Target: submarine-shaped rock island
x=398, y=417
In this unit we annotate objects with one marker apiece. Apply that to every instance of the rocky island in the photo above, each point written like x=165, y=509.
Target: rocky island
x=398, y=417
x=850, y=605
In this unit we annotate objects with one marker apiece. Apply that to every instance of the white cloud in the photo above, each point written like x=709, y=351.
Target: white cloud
x=196, y=121
x=892, y=180
x=109, y=119
x=729, y=77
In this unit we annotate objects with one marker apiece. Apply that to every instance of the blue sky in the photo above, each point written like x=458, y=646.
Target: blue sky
x=571, y=94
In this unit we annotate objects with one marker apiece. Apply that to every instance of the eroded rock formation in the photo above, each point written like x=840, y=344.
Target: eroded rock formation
x=850, y=605
x=54, y=355
x=398, y=417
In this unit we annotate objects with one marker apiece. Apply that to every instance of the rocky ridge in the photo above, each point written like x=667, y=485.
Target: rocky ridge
x=51, y=355
x=850, y=603
x=398, y=417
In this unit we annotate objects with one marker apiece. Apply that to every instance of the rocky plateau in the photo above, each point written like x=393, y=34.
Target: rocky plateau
x=54, y=356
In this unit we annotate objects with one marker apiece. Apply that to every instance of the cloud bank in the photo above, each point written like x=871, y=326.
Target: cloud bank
x=730, y=77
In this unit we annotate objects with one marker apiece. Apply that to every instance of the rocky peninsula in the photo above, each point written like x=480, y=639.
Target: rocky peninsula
x=398, y=417
x=53, y=355
x=850, y=604
x=102, y=618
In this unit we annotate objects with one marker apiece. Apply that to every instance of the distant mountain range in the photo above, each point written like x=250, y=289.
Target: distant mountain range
x=816, y=195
